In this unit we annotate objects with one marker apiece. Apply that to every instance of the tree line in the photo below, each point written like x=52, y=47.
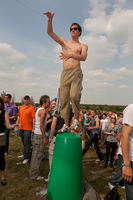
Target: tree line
x=84, y=107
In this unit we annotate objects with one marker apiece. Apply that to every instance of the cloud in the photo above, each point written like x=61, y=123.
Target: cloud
x=109, y=32
x=127, y=49
x=10, y=57
x=106, y=78
x=123, y=86
x=123, y=71
x=31, y=73
x=100, y=50
x=119, y=25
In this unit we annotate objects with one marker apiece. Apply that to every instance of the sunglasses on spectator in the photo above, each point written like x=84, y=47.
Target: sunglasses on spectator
x=75, y=28
x=113, y=118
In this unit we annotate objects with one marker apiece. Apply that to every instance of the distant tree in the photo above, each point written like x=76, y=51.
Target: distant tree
x=32, y=101
x=13, y=98
x=22, y=100
x=3, y=95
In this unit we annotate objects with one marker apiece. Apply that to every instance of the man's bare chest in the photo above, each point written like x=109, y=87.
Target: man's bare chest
x=72, y=48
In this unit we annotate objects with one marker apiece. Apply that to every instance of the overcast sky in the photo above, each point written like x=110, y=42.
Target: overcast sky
x=29, y=58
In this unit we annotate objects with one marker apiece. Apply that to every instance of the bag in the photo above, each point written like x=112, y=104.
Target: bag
x=112, y=195
x=89, y=192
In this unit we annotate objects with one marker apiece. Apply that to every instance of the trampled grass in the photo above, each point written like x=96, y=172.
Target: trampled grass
x=19, y=187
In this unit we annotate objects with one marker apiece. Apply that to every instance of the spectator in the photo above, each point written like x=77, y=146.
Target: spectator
x=111, y=130
x=109, y=116
x=12, y=112
x=114, y=113
x=118, y=176
x=95, y=131
x=4, y=119
x=40, y=138
x=26, y=121
x=99, y=114
x=49, y=118
x=127, y=150
x=103, y=123
x=53, y=104
x=85, y=119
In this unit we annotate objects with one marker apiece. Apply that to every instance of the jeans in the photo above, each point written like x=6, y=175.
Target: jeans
x=26, y=140
x=93, y=139
x=109, y=146
x=7, y=133
x=129, y=187
x=118, y=176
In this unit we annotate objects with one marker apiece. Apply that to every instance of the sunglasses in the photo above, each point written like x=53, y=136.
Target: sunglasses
x=75, y=28
x=113, y=118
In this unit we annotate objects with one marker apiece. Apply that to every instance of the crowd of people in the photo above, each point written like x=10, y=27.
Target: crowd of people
x=46, y=122
x=98, y=130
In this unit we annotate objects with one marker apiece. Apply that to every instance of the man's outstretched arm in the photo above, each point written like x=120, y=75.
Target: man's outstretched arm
x=50, y=28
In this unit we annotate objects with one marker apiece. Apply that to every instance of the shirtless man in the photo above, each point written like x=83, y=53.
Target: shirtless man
x=71, y=78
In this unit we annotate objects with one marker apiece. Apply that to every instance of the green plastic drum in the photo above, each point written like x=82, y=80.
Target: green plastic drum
x=66, y=178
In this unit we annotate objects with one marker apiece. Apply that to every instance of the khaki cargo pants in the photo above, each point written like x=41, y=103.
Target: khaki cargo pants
x=70, y=90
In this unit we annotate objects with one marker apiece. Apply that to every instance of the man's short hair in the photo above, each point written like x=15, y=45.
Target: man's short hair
x=79, y=27
x=26, y=97
x=94, y=110
x=43, y=99
x=9, y=96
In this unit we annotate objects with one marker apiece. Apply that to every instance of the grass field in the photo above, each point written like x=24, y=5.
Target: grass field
x=19, y=187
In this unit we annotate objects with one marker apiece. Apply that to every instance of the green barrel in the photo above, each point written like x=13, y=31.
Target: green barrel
x=66, y=178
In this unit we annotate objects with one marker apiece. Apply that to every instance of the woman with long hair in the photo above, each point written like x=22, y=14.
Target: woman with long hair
x=4, y=122
x=111, y=130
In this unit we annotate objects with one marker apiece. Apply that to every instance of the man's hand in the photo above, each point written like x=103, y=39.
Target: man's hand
x=83, y=136
x=112, y=133
x=50, y=139
x=33, y=130
x=64, y=56
x=127, y=174
x=45, y=141
x=49, y=15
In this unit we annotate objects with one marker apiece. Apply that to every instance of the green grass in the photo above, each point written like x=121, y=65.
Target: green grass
x=19, y=187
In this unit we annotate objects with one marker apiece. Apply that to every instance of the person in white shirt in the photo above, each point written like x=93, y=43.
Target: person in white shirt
x=40, y=138
x=103, y=123
x=127, y=150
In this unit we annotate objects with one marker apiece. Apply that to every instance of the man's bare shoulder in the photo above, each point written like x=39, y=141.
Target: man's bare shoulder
x=85, y=46
x=42, y=112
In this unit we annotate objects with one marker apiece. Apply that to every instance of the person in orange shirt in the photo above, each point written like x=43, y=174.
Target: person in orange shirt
x=26, y=122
